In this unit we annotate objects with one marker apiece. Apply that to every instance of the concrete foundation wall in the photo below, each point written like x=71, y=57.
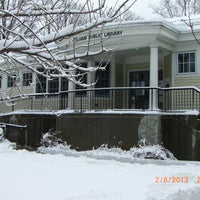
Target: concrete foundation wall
x=181, y=136
x=178, y=133
x=86, y=131
x=36, y=126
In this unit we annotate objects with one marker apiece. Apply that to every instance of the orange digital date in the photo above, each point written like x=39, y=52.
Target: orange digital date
x=172, y=179
x=198, y=179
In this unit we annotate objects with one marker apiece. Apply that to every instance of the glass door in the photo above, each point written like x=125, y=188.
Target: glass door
x=139, y=98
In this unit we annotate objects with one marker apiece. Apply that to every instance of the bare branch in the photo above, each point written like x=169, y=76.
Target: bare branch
x=178, y=8
x=44, y=35
x=190, y=24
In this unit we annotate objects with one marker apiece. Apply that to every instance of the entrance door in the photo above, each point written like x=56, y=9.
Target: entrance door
x=139, y=98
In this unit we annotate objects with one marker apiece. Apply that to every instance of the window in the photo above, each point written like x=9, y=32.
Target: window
x=64, y=84
x=53, y=85
x=103, y=78
x=27, y=79
x=11, y=80
x=41, y=83
x=186, y=62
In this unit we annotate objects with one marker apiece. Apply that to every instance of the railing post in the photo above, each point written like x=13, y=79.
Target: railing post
x=81, y=108
x=153, y=104
x=154, y=76
x=90, y=96
x=112, y=99
x=71, y=100
x=198, y=103
x=13, y=106
x=32, y=102
x=71, y=89
x=60, y=101
x=163, y=100
x=193, y=107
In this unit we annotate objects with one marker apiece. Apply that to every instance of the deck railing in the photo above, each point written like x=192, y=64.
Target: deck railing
x=121, y=98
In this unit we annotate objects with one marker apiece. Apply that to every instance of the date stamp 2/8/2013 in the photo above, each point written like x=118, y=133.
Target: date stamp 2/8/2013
x=175, y=179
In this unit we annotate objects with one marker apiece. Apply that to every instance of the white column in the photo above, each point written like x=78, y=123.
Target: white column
x=90, y=76
x=173, y=68
x=90, y=80
x=4, y=81
x=113, y=72
x=71, y=96
x=113, y=81
x=153, y=77
x=173, y=74
x=34, y=81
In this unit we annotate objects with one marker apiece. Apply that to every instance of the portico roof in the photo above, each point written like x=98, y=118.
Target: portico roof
x=139, y=34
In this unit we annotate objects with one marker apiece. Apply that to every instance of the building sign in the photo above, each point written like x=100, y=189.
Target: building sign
x=99, y=35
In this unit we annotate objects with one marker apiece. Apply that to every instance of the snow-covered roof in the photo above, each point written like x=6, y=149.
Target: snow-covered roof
x=181, y=23
x=178, y=24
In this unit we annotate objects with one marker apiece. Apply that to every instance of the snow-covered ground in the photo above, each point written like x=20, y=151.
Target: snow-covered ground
x=101, y=174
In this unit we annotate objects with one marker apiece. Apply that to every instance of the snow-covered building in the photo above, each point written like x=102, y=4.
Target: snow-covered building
x=155, y=66
x=151, y=54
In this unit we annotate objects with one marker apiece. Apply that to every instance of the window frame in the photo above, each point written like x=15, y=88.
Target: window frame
x=28, y=81
x=11, y=80
x=64, y=84
x=53, y=85
x=103, y=78
x=184, y=63
x=41, y=86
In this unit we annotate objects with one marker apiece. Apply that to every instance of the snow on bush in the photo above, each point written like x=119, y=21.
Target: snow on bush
x=145, y=152
x=152, y=152
x=5, y=145
x=1, y=134
x=53, y=144
x=51, y=139
x=50, y=143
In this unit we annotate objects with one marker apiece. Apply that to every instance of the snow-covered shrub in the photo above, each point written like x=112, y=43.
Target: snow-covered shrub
x=152, y=152
x=142, y=152
x=1, y=134
x=5, y=145
x=51, y=139
x=51, y=142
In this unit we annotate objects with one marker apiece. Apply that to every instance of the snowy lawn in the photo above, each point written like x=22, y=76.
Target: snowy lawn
x=101, y=175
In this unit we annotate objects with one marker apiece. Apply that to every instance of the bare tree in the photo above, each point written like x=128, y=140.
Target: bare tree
x=44, y=34
x=129, y=15
x=190, y=22
x=177, y=8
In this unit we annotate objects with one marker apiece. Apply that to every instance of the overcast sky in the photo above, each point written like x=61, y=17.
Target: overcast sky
x=141, y=8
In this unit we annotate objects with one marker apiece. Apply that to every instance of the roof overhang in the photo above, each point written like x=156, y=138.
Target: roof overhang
x=130, y=35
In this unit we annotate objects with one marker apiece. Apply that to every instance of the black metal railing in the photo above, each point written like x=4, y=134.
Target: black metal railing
x=121, y=98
